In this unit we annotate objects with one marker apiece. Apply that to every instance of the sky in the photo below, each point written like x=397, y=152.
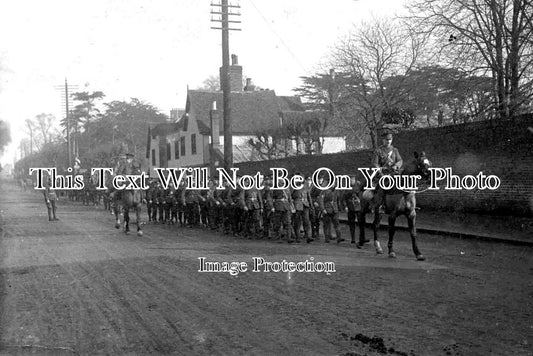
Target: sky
x=153, y=49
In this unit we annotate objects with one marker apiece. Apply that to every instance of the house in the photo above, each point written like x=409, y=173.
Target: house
x=197, y=138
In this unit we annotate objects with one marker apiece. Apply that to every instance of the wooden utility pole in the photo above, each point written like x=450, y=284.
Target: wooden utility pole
x=68, y=125
x=67, y=117
x=224, y=19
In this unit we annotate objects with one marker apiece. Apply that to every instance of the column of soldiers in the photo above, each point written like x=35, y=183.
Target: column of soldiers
x=284, y=215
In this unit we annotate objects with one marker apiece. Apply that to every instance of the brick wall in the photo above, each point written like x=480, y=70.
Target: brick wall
x=502, y=148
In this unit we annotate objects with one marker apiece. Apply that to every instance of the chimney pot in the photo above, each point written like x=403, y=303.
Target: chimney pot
x=249, y=85
x=234, y=60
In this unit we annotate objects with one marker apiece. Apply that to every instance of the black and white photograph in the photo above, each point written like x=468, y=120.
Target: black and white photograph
x=253, y=177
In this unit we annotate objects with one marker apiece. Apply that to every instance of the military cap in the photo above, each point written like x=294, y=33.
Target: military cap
x=386, y=134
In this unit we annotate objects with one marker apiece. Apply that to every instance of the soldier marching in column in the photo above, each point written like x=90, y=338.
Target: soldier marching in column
x=285, y=215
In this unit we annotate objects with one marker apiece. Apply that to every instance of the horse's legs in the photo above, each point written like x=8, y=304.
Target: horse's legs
x=117, y=215
x=377, y=245
x=411, y=219
x=392, y=229
x=138, y=215
x=126, y=219
x=361, y=219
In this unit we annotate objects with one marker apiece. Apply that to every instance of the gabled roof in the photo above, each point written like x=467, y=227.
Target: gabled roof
x=164, y=129
x=290, y=103
x=251, y=110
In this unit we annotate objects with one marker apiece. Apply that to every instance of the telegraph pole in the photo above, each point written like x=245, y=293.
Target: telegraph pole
x=65, y=94
x=224, y=19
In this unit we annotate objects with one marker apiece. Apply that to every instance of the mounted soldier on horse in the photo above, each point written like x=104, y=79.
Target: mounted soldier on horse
x=127, y=198
x=394, y=202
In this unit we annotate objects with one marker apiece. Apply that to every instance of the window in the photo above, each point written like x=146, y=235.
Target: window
x=153, y=158
x=193, y=144
x=182, y=148
x=168, y=151
x=176, y=149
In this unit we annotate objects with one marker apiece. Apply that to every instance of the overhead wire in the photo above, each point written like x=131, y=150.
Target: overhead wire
x=279, y=37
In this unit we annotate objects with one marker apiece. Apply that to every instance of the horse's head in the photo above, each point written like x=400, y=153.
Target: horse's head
x=422, y=164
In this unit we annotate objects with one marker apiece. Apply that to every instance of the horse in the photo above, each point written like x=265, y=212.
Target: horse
x=127, y=199
x=397, y=203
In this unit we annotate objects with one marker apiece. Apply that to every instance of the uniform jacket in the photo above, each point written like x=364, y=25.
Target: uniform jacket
x=169, y=196
x=211, y=196
x=253, y=199
x=151, y=194
x=125, y=167
x=49, y=194
x=350, y=198
x=315, y=197
x=387, y=158
x=218, y=195
x=268, y=201
x=282, y=199
x=301, y=198
x=159, y=195
x=237, y=197
x=180, y=195
x=329, y=201
x=191, y=196
x=202, y=197
x=226, y=196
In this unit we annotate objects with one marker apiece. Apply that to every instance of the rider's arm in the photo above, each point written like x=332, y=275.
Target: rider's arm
x=399, y=162
x=375, y=159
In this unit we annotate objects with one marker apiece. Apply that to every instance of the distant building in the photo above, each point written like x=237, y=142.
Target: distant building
x=186, y=143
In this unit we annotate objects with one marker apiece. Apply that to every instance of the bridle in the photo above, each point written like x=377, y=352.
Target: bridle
x=421, y=164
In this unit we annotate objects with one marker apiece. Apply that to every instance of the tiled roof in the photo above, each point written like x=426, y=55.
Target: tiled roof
x=290, y=103
x=165, y=129
x=251, y=111
x=242, y=153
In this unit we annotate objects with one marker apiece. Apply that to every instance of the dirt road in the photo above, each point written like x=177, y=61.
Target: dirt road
x=78, y=286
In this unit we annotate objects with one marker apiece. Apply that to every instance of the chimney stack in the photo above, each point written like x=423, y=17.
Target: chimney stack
x=215, y=125
x=235, y=74
x=174, y=117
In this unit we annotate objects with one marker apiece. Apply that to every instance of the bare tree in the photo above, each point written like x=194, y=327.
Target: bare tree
x=43, y=124
x=373, y=53
x=211, y=83
x=484, y=36
x=269, y=144
x=30, y=126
